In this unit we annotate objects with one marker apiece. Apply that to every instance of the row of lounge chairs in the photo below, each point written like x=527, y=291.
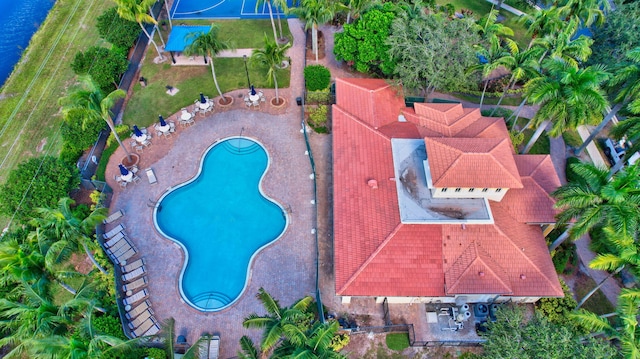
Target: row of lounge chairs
x=137, y=305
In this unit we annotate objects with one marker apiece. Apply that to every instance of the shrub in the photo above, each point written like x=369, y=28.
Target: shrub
x=572, y=176
x=517, y=138
x=339, y=341
x=79, y=133
x=317, y=77
x=109, y=325
x=37, y=182
x=499, y=112
x=156, y=353
x=397, y=341
x=318, y=118
x=103, y=65
x=316, y=97
x=557, y=310
x=116, y=30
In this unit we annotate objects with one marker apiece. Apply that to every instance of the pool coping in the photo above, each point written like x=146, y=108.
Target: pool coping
x=170, y=189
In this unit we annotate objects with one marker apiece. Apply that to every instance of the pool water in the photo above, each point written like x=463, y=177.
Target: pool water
x=221, y=219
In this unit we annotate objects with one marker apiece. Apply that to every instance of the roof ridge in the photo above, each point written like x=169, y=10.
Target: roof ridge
x=518, y=178
x=364, y=264
x=478, y=258
x=357, y=83
x=366, y=125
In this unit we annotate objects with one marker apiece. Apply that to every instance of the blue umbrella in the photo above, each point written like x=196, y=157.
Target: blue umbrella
x=253, y=91
x=202, y=99
x=136, y=131
x=123, y=170
x=162, y=123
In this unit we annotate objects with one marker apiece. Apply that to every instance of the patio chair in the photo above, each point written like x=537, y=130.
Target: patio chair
x=139, y=149
x=144, y=327
x=132, y=266
x=128, y=277
x=136, y=297
x=146, y=143
x=136, y=179
x=210, y=349
x=117, y=246
x=119, y=228
x=151, y=176
x=155, y=328
x=122, y=260
x=139, y=309
x=140, y=319
x=136, y=284
x=114, y=240
x=114, y=216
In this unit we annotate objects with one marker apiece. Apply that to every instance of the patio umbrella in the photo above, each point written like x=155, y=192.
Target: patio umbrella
x=162, y=123
x=123, y=170
x=202, y=99
x=253, y=91
x=136, y=131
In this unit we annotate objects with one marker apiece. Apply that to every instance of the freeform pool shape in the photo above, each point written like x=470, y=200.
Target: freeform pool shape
x=221, y=219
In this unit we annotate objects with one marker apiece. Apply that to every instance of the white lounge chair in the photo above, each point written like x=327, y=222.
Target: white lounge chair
x=144, y=327
x=114, y=231
x=132, y=266
x=151, y=175
x=136, y=297
x=140, y=319
x=117, y=245
x=155, y=328
x=122, y=249
x=139, y=309
x=136, y=284
x=114, y=216
x=122, y=260
x=210, y=348
x=115, y=239
x=127, y=277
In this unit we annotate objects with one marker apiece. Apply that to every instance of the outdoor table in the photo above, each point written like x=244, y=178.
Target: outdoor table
x=254, y=98
x=128, y=177
x=185, y=116
x=204, y=106
x=141, y=138
x=165, y=128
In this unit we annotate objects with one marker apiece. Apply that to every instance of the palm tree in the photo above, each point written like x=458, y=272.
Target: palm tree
x=167, y=336
x=489, y=60
x=61, y=224
x=565, y=45
x=627, y=81
x=276, y=318
x=585, y=11
x=271, y=56
x=208, y=45
x=493, y=31
x=543, y=22
x=314, y=13
x=356, y=7
x=624, y=330
x=135, y=10
x=623, y=252
x=568, y=97
x=90, y=102
x=597, y=199
x=521, y=64
x=248, y=350
x=312, y=343
x=273, y=24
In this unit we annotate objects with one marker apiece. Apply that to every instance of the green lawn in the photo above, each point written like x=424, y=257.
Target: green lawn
x=542, y=145
x=147, y=103
x=482, y=7
x=244, y=34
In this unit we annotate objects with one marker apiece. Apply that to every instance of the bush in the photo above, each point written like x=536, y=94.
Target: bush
x=318, y=118
x=109, y=325
x=397, y=341
x=317, y=97
x=499, y=112
x=562, y=256
x=79, y=133
x=557, y=310
x=156, y=353
x=317, y=77
x=37, y=182
x=572, y=176
x=339, y=341
x=116, y=30
x=103, y=65
x=517, y=138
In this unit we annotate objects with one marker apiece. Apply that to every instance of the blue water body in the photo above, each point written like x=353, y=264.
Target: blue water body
x=19, y=20
x=221, y=219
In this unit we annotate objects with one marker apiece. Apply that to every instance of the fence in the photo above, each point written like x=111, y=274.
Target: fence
x=410, y=330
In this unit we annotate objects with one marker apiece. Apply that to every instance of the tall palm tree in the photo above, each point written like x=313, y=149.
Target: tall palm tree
x=167, y=335
x=585, y=11
x=313, y=343
x=248, y=350
x=627, y=81
x=282, y=4
x=597, y=199
x=356, y=7
x=271, y=56
x=624, y=330
x=521, y=64
x=276, y=318
x=61, y=224
x=543, y=22
x=491, y=30
x=489, y=60
x=91, y=103
x=136, y=10
x=208, y=45
x=623, y=251
x=273, y=24
x=568, y=97
x=314, y=13
x=565, y=45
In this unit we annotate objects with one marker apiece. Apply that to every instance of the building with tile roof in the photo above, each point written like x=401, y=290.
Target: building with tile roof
x=432, y=204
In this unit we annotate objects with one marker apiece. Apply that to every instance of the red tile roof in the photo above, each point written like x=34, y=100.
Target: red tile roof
x=472, y=162
x=377, y=255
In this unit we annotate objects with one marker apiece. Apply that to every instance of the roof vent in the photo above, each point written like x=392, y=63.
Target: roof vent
x=481, y=274
x=522, y=276
x=401, y=118
x=463, y=226
x=373, y=184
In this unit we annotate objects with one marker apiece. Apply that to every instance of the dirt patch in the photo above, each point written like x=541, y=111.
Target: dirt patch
x=41, y=145
x=373, y=346
x=82, y=196
x=81, y=263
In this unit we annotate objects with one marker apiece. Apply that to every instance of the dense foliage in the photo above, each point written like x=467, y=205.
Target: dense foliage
x=317, y=77
x=105, y=66
x=513, y=336
x=37, y=182
x=78, y=134
x=116, y=30
x=362, y=44
x=619, y=34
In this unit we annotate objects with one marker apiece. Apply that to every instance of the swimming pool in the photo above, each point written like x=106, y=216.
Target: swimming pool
x=221, y=219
